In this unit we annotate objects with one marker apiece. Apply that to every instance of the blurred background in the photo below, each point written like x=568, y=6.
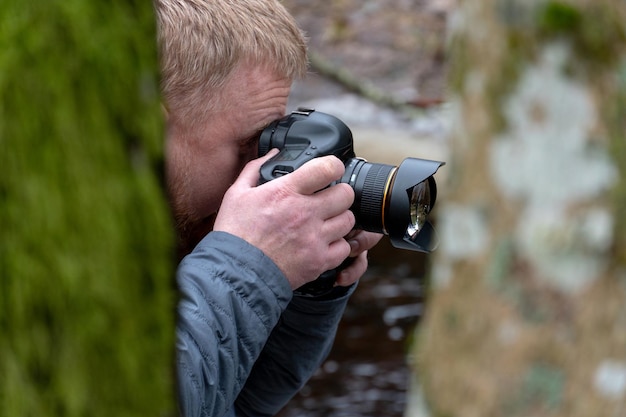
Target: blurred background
x=86, y=296
x=380, y=67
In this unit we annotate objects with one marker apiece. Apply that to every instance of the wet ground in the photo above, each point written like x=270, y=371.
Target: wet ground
x=396, y=47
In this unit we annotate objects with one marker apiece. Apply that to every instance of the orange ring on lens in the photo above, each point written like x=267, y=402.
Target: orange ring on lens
x=387, y=195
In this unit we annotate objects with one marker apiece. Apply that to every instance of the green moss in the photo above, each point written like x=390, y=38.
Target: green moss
x=601, y=35
x=614, y=111
x=520, y=49
x=559, y=17
x=597, y=35
x=459, y=53
x=86, y=297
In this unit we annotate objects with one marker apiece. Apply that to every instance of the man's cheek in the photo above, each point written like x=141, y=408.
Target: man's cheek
x=246, y=155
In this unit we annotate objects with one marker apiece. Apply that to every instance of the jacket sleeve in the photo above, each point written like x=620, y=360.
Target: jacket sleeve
x=231, y=297
x=296, y=348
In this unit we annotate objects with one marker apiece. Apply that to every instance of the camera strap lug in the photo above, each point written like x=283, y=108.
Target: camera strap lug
x=304, y=111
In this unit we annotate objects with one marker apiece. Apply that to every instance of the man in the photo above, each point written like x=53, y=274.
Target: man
x=245, y=343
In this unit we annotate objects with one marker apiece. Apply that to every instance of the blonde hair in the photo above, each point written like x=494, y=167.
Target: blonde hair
x=201, y=42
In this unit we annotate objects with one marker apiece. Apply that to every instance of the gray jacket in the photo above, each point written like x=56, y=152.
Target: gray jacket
x=245, y=345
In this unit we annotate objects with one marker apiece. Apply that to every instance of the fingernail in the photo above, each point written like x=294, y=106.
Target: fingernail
x=354, y=246
x=343, y=276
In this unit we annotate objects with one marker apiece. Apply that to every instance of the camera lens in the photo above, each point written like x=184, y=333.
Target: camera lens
x=373, y=185
x=395, y=201
x=370, y=183
x=420, y=207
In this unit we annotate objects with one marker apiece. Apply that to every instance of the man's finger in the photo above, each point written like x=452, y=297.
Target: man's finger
x=361, y=240
x=338, y=226
x=314, y=175
x=352, y=273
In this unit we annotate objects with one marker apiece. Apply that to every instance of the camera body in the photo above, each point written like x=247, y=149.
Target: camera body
x=300, y=137
x=391, y=200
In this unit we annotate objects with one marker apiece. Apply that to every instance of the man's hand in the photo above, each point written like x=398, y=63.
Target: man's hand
x=360, y=242
x=299, y=227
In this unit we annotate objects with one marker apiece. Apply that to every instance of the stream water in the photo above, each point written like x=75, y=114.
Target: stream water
x=367, y=372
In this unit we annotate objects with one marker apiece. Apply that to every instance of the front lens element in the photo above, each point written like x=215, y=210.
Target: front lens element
x=420, y=207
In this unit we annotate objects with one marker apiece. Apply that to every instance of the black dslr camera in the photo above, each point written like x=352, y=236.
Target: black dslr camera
x=391, y=200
